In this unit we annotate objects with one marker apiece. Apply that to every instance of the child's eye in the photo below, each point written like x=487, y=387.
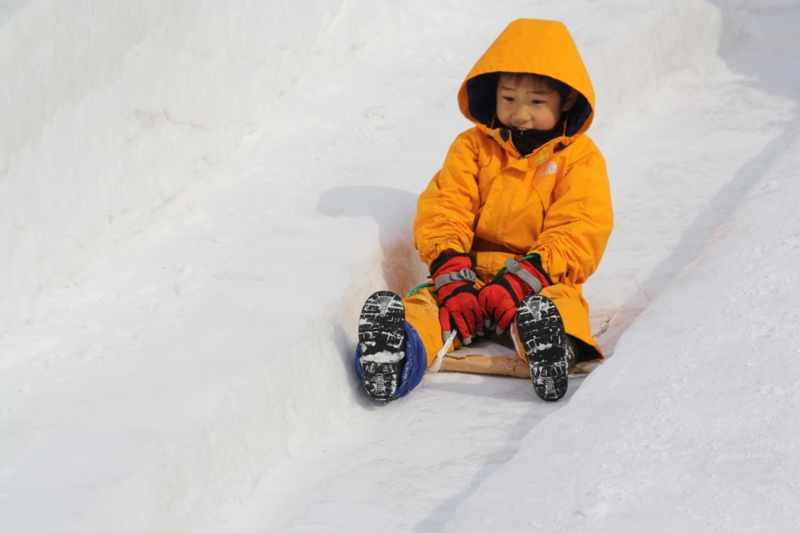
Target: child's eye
x=537, y=102
x=508, y=99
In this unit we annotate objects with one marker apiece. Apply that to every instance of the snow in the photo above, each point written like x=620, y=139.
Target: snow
x=197, y=197
x=384, y=357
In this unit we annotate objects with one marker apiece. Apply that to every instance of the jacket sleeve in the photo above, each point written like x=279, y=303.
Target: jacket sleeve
x=578, y=223
x=446, y=210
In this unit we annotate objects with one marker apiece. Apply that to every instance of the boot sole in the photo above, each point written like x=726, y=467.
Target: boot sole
x=381, y=337
x=540, y=331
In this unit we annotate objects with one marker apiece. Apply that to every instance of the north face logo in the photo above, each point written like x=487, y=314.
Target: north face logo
x=549, y=168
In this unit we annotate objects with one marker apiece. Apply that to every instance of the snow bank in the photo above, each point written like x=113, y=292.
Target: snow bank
x=153, y=395
x=632, y=54
x=110, y=109
x=692, y=425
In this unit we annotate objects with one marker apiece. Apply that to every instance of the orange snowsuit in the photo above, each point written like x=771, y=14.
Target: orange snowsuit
x=489, y=201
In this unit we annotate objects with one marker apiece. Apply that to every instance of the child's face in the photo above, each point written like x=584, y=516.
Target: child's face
x=527, y=105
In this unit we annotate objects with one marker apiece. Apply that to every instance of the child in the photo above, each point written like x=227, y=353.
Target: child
x=512, y=225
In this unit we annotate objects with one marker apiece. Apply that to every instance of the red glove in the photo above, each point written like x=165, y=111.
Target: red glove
x=454, y=277
x=499, y=299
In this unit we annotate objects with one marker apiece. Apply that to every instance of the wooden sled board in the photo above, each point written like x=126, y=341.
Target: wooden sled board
x=497, y=359
x=495, y=355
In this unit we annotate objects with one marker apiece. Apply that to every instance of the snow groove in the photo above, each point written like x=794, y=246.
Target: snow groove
x=197, y=375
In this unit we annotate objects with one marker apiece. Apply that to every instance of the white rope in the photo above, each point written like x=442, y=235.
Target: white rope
x=437, y=363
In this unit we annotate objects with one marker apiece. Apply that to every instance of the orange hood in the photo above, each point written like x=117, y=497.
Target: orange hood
x=530, y=46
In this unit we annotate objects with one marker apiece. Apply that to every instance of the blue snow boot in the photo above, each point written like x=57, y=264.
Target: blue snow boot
x=381, y=342
x=540, y=332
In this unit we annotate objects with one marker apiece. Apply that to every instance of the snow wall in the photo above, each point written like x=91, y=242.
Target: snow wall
x=112, y=110
x=109, y=109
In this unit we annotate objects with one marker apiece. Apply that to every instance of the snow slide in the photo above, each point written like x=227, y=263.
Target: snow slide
x=197, y=197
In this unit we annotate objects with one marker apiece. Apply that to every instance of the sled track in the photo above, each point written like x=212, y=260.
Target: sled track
x=202, y=368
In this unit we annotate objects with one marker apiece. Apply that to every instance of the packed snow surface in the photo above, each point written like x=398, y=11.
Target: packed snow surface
x=196, y=197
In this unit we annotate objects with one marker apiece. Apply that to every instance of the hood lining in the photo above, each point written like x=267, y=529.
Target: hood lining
x=482, y=97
